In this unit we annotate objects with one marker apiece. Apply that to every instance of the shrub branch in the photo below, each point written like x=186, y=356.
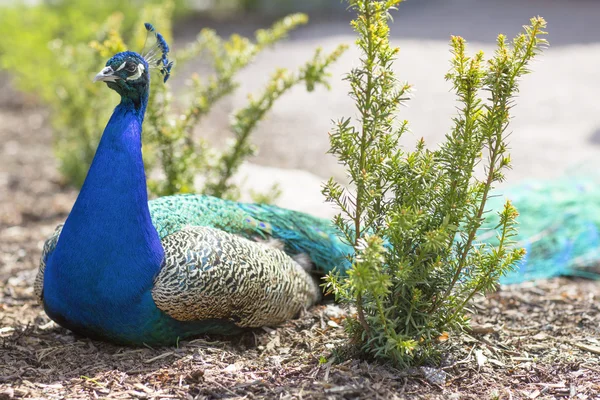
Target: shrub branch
x=413, y=216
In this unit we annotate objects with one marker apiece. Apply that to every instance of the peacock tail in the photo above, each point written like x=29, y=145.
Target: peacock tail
x=559, y=227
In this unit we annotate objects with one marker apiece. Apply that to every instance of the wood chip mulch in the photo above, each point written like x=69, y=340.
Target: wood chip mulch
x=533, y=341
x=528, y=342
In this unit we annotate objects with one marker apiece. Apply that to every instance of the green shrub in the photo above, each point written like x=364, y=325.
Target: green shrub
x=70, y=46
x=46, y=50
x=413, y=216
x=179, y=156
x=32, y=34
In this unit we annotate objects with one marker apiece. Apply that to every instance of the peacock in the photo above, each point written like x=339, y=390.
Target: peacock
x=132, y=271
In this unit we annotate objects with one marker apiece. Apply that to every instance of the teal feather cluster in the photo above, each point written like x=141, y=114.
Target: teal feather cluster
x=161, y=46
x=299, y=233
x=559, y=227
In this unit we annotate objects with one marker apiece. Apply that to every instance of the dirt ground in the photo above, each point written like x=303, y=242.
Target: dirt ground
x=529, y=341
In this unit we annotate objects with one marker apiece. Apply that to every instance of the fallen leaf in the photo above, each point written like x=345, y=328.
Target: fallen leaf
x=332, y=324
x=434, y=376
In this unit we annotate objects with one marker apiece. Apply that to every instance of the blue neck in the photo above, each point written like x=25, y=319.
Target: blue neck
x=109, y=238
x=137, y=105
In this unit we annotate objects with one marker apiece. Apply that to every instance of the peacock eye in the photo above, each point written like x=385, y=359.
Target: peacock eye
x=130, y=67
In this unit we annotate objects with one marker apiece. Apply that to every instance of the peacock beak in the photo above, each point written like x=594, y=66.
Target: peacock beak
x=106, y=75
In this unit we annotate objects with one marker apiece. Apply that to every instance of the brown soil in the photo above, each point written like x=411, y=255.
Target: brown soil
x=529, y=341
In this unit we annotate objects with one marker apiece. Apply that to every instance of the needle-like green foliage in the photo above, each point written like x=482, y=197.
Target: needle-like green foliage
x=413, y=215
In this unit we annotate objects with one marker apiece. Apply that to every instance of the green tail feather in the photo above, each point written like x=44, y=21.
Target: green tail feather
x=299, y=232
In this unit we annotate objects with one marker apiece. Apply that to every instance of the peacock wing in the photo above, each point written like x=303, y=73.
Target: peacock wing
x=49, y=246
x=211, y=274
x=298, y=232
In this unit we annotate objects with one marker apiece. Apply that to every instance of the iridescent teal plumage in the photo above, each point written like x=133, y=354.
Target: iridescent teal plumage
x=300, y=233
x=559, y=227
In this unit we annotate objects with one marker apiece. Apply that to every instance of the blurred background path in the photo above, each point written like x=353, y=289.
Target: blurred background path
x=556, y=124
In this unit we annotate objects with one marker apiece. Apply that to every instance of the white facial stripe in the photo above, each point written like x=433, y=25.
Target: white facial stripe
x=140, y=71
x=121, y=66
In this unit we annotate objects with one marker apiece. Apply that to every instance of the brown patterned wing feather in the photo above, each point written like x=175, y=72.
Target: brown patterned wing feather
x=208, y=273
x=49, y=247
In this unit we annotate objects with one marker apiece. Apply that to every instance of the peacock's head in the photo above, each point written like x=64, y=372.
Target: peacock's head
x=125, y=72
x=128, y=73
